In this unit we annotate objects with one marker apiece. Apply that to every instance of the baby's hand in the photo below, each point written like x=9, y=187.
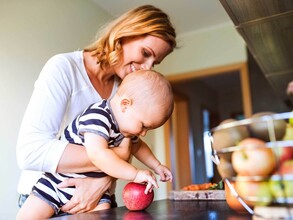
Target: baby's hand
x=146, y=176
x=164, y=172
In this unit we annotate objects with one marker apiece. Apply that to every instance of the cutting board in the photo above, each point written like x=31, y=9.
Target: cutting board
x=197, y=195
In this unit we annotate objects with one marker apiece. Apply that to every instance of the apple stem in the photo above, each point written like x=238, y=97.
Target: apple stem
x=244, y=155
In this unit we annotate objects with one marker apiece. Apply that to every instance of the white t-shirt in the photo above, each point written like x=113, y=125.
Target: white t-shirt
x=62, y=91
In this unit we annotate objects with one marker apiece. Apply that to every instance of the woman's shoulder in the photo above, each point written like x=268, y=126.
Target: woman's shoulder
x=71, y=58
x=65, y=67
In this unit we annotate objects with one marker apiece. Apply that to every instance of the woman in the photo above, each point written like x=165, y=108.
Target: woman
x=68, y=83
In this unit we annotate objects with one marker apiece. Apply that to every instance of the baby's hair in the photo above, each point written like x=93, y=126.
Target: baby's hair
x=148, y=86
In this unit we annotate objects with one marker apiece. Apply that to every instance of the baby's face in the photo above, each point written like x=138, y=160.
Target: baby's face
x=137, y=120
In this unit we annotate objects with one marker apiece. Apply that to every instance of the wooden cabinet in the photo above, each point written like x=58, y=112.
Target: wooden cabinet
x=267, y=28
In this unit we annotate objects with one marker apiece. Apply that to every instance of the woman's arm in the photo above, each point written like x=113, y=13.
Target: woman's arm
x=87, y=193
x=66, y=164
x=38, y=146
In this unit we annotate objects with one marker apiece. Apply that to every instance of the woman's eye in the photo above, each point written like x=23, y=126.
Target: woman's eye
x=146, y=53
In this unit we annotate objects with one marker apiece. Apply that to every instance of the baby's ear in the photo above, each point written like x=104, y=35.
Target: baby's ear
x=125, y=103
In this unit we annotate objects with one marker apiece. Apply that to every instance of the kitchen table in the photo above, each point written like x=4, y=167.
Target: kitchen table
x=168, y=209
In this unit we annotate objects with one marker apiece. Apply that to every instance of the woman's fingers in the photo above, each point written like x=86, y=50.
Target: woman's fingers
x=88, y=192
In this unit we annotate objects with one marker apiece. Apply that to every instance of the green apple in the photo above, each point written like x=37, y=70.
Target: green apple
x=281, y=184
x=260, y=129
x=230, y=135
x=291, y=120
x=281, y=189
x=289, y=132
x=225, y=168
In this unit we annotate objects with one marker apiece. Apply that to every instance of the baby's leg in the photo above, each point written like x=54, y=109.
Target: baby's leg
x=35, y=208
x=104, y=203
x=102, y=206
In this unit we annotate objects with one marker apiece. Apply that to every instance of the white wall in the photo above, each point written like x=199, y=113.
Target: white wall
x=32, y=31
x=216, y=46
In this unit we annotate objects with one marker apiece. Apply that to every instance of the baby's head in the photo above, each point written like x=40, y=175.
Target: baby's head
x=150, y=96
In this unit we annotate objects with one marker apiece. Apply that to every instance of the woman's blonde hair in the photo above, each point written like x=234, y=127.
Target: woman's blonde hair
x=143, y=20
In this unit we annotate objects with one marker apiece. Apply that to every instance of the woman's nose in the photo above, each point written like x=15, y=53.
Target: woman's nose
x=148, y=65
x=143, y=133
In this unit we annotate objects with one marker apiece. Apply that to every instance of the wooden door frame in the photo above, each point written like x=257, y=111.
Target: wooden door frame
x=241, y=67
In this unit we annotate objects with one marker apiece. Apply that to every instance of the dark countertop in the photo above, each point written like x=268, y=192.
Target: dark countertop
x=168, y=209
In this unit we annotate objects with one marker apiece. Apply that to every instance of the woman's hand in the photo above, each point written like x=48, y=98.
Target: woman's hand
x=87, y=194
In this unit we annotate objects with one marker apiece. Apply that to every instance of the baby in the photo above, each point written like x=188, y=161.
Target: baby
x=144, y=101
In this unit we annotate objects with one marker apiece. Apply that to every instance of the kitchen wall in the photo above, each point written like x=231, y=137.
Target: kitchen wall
x=32, y=31
x=213, y=47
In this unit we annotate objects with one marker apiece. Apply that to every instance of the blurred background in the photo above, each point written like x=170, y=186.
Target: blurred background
x=213, y=74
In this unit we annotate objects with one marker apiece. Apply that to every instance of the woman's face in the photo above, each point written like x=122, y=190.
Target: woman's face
x=142, y=52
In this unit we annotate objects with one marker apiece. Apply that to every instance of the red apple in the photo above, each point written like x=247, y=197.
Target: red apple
x=232, y=200
x=137, y=215
x=285, y=153
x=134, y=197
x=254, y=159
x=253, y=192
x=286, y=167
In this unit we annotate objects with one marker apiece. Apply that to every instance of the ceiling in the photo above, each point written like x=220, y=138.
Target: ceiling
x=267, y=28
x=186, y=15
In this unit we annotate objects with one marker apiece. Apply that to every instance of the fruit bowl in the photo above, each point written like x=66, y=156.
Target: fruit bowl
x=254, y=156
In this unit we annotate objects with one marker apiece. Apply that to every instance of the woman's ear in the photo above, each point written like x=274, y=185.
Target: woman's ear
x=125, y=103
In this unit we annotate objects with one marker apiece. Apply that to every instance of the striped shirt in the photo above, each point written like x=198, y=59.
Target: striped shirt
x=98, y=119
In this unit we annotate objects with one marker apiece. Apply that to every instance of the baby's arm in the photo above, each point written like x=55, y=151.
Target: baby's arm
x=124, y=149
x=106, y=160
x=144, y=154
